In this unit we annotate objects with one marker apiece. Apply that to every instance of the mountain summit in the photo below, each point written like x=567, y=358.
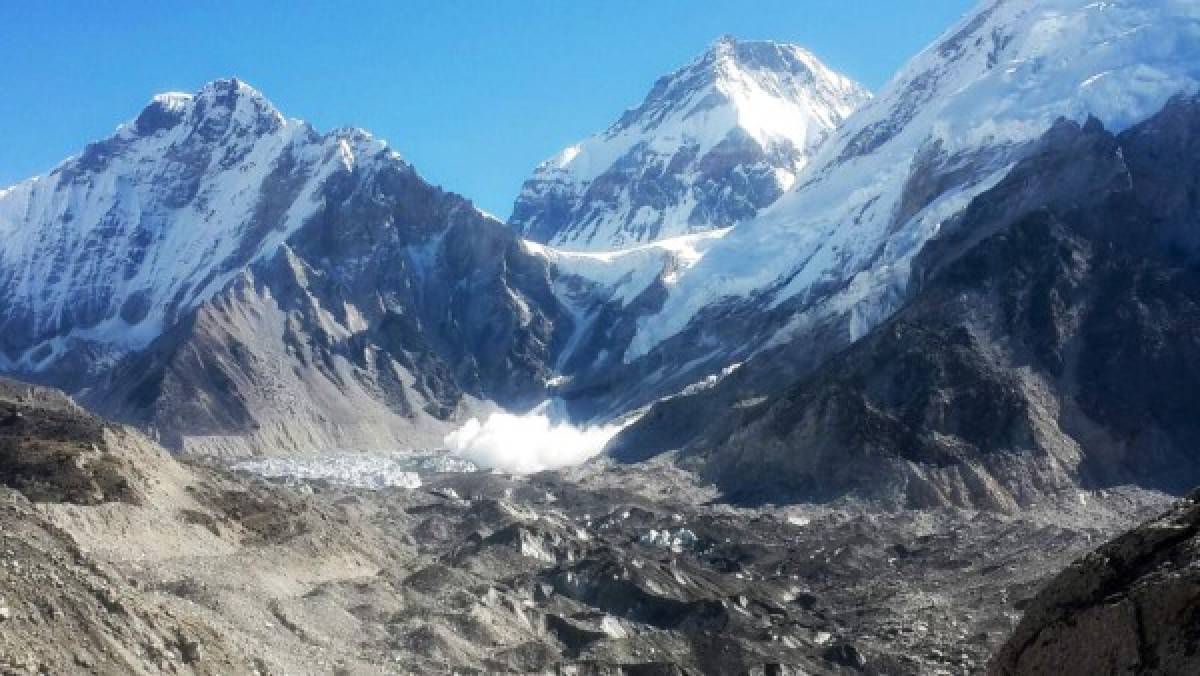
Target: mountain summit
x=712, y=144
x=117, y=243
x=839, y=246
x=225, y=277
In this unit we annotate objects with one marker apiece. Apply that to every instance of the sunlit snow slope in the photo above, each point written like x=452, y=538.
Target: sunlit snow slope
x=235, y=282
x=712, y=144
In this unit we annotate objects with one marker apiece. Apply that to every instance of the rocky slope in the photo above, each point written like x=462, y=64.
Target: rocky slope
x=1050, y=342
x=607, y=569
x=236, y=282
x=1131, y=606
x=712, y=144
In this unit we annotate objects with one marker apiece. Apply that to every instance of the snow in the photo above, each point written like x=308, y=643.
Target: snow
x=995, y=81
x=612, y=626
x=82, y=238
x=780, y=96
x=173, y=101
x=625, y=273
x=710, y=381
x=767, y=104
x=675, y=539
x=96, y=236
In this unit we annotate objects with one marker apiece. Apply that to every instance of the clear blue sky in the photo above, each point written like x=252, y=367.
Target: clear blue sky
x=474, y=94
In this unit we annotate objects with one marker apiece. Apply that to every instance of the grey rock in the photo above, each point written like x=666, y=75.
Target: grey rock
x=373, y=324
x=1131, y=606
x=190, y=650
x=846, y=655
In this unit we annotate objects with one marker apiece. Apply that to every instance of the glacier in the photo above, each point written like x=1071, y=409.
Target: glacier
x=213, y=242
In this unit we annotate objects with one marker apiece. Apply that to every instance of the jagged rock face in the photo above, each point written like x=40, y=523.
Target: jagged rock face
x=1131, y=606
x=353, y=343
x=712, y=144
x=1050, y=342
x=831, y=259
x=287, y=291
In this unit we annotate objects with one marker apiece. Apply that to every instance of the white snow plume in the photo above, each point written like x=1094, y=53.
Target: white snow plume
x=527, y=443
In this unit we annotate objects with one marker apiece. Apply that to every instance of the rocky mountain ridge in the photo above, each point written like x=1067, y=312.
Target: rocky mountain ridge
x=1131, y=606
x=831, y=258
x=335, y=300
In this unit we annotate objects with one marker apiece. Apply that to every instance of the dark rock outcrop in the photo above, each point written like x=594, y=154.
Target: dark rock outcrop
x=1131, y=606
x=51, y=450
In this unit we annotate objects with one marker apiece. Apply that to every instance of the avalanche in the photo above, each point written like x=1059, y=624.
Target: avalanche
x=526, y=444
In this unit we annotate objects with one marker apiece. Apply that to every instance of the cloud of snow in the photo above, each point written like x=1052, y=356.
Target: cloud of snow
x=524, y=444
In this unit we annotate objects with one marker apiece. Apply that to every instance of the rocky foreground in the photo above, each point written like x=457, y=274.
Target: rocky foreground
x=1132, y=606
x=115, y=559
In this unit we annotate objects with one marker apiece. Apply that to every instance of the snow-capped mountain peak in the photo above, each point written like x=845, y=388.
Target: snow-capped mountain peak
x=710, y=145
x=227, y=276
x=220, y=105
x=115, y=243
x=768, y=90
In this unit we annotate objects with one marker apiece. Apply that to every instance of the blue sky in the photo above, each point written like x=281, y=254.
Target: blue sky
x=474, y=94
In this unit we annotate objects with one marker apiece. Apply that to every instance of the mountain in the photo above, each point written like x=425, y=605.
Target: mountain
x=1051, y=342
x=712, y=144
x=831, y=259
x=235, y=281
x=115, y=245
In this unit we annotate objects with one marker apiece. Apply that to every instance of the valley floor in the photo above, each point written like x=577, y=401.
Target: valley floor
x=196, y=569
